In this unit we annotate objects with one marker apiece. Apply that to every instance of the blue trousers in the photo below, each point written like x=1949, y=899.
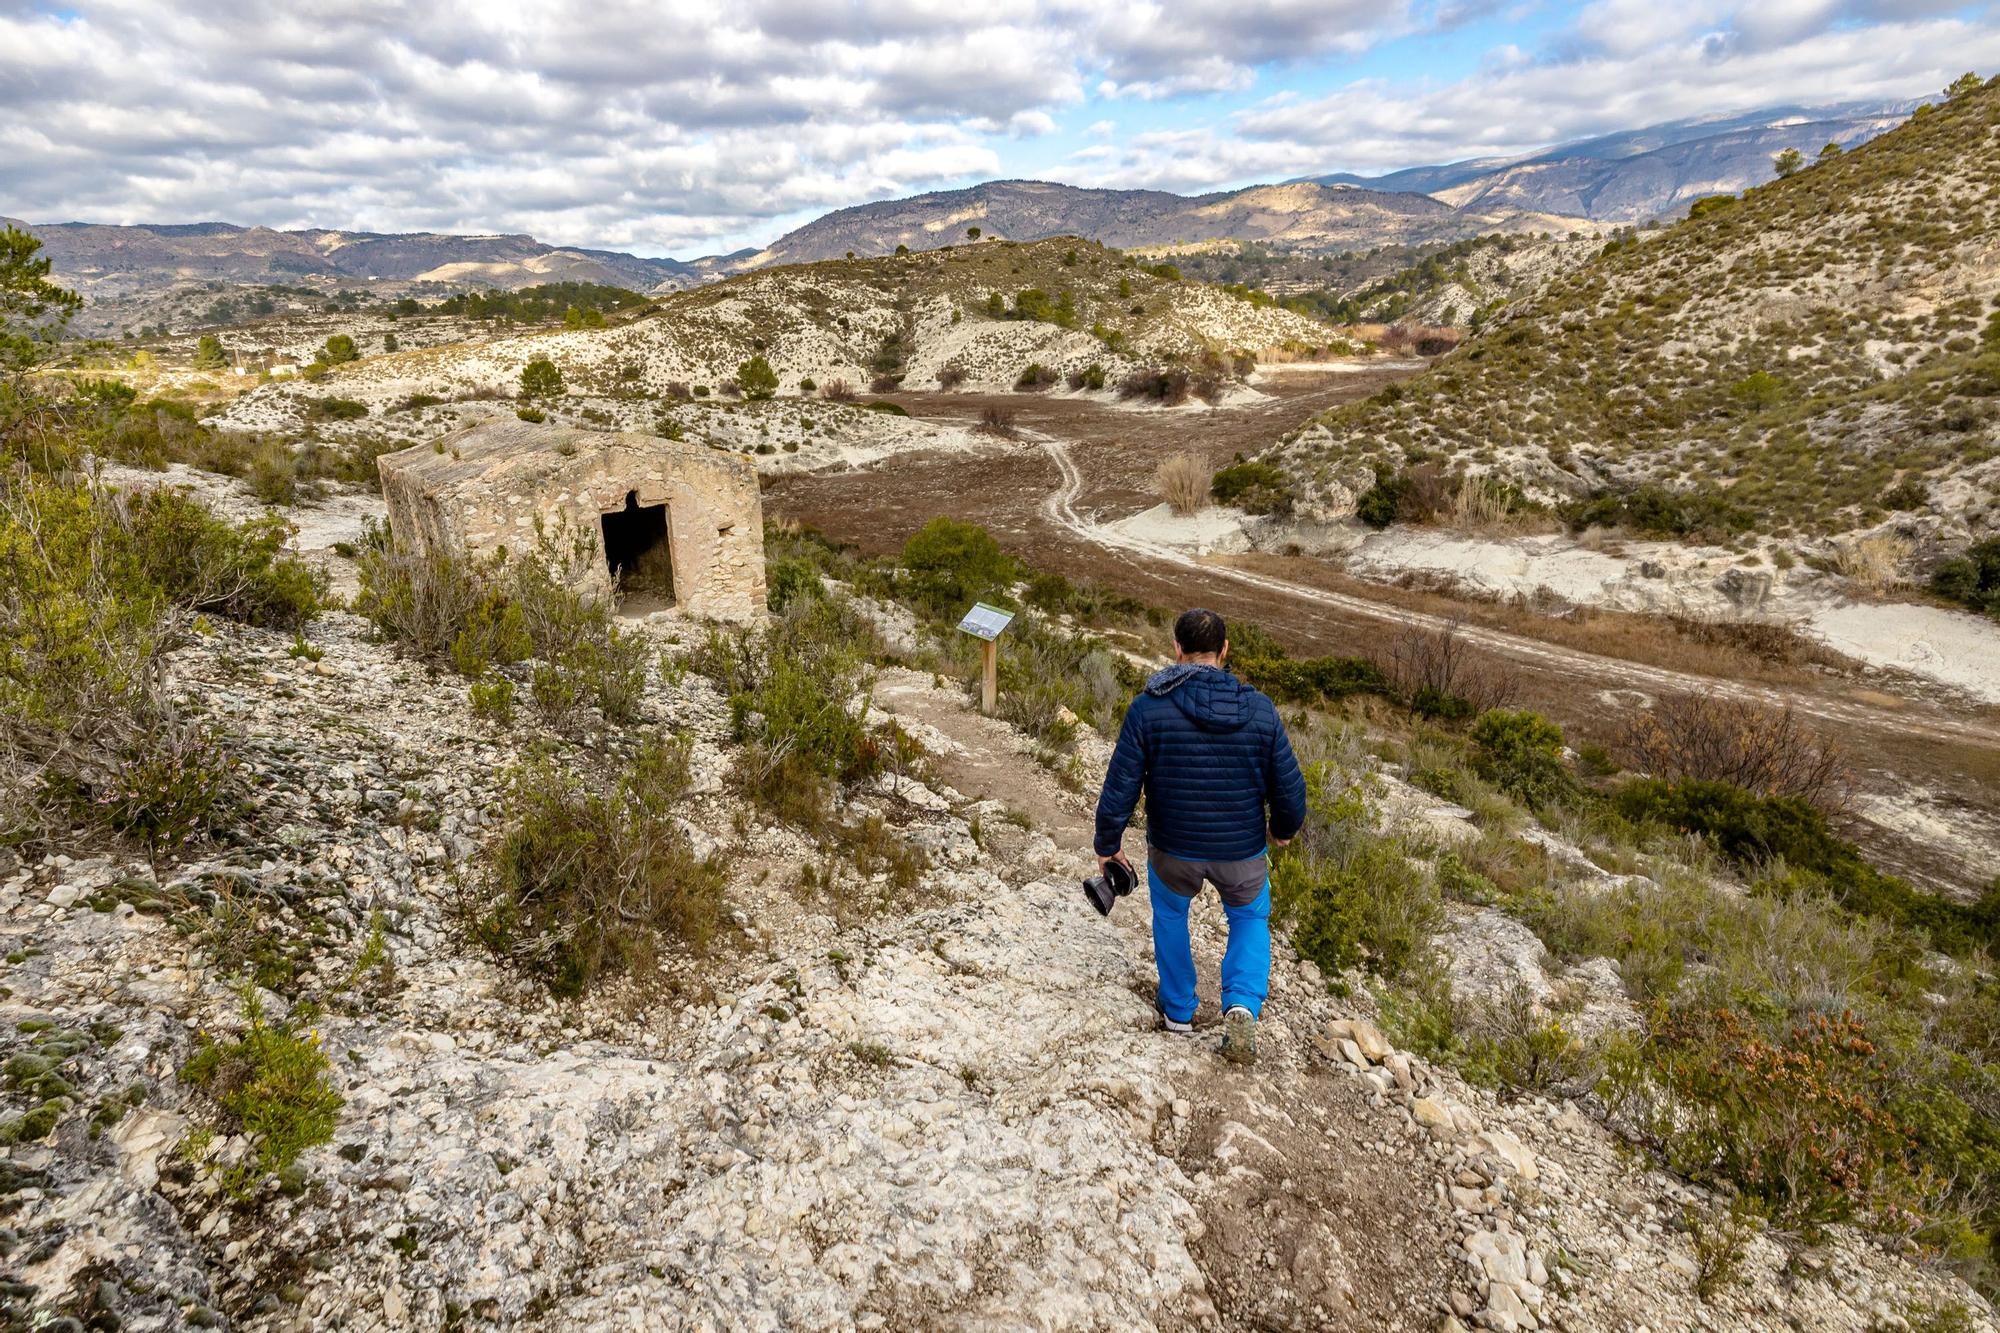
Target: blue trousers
x=1246, y=961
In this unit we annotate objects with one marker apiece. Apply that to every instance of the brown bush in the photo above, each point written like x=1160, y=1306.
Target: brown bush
x=996, y=420
x=837, y=391
x=1427, y=493
x=1167, y=386
x=1182, y=481
x=885, y=384
x=1716, y=739
x=1433, y=666
x=950, y=376
x=1768, y=641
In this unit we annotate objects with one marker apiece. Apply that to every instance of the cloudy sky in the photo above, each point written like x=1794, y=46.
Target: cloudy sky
x=682, y=129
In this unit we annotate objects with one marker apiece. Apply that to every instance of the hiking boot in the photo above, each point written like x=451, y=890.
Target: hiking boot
x=1185, y=1027
x=1239, y=1036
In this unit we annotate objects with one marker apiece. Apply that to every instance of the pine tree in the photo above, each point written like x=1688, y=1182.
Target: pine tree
x=541, y=379
x=756, y=378
x=208, y=353
x=33, y=310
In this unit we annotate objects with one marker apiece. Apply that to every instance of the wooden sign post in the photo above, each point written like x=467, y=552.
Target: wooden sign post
x=986, y=623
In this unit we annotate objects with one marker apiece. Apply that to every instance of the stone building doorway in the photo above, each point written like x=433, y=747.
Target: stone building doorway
x=638, y=550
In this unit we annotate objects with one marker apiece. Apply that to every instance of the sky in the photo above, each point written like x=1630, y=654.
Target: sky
x=687, y=129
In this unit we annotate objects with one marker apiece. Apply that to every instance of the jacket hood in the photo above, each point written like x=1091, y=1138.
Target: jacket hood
x=1211, y=698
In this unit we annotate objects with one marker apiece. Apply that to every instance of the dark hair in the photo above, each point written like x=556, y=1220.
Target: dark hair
x=1200, y=631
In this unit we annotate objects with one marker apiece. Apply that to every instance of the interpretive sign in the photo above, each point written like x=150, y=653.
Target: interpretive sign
x=986, y=622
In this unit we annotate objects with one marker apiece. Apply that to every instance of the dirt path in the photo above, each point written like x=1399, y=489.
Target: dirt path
x=1302, y=1225
x=1924, y=765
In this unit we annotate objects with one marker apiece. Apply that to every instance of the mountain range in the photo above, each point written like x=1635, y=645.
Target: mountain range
x=103, y=257
x=1619, y=178
x=1640, y=174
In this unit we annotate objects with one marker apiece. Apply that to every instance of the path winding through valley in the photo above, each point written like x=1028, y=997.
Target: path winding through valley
x=1927, y=766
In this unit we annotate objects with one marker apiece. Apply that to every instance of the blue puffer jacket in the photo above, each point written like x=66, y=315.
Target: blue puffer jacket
x=1210, y=754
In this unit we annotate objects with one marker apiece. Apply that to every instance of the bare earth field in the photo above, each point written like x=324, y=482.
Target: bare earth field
x=1081, y=464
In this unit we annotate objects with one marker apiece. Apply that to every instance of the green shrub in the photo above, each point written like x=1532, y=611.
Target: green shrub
x=588, y=873
x=469, y=615
x=541, y=378
x=96, y=592
x=1758, y=391
x=1798, y=1122
x=1757, y=831
x=951, y=564
x=1658, y=512
x=239, y=571
x=271, y=1083
x=1312, y=680
x=1049, y=679
x=1521, y=753
x=209, y=353
x=1256, y=488
x=800, y=700
x=1522, y=1047
x=884, y=406
x=756, y=378
x=493, y=700
x=339, y=350
x=1971, y=578
x=173, y=785
x=1375, y=905
x=336, y=409
x=788, y=581
x=1381, y=504
x=1345, y=893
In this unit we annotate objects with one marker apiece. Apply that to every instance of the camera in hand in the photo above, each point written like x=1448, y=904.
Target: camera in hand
x=1106, y=889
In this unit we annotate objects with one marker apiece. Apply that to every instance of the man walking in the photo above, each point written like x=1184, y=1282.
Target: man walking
x=1212, y=757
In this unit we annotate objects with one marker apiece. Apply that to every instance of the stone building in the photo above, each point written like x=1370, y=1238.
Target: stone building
x=678, y=522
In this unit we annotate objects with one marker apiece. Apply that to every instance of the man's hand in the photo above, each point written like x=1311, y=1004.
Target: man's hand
x=1119, y=857
x=1275, y=842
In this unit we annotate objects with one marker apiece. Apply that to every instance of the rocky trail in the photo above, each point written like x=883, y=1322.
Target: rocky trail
x=949, y=1109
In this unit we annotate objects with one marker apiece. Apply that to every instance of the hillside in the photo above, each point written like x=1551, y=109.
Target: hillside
x=579, y=1012
x=1299, y=216
x=1462, y=283
x=1639, y=174
x=1810, y=358
x=130, y=275
x=918, y=321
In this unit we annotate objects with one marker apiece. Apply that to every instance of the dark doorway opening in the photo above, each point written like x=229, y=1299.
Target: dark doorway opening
x=636, y=549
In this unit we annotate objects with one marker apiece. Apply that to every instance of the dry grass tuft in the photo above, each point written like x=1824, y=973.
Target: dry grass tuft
x=1182, y=481
x=1874, y=563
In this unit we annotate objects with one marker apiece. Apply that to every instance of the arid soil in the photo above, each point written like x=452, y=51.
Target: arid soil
x=1079, y=461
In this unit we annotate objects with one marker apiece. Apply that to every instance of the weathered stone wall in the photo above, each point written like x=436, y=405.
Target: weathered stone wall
x=506, y=485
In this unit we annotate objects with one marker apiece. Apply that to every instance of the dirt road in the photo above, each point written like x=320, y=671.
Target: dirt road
x=1931, y=772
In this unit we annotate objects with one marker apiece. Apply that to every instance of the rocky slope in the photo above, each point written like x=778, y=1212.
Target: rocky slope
x=947, y=1110
x=917, y=319
x=1640, y=174
x=1820, y=354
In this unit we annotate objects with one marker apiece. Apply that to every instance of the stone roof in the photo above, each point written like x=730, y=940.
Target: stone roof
x=512, y=452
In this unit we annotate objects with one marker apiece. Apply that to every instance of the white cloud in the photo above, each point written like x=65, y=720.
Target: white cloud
x=669, y=126
x=1624, y=64
x=660, y=125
